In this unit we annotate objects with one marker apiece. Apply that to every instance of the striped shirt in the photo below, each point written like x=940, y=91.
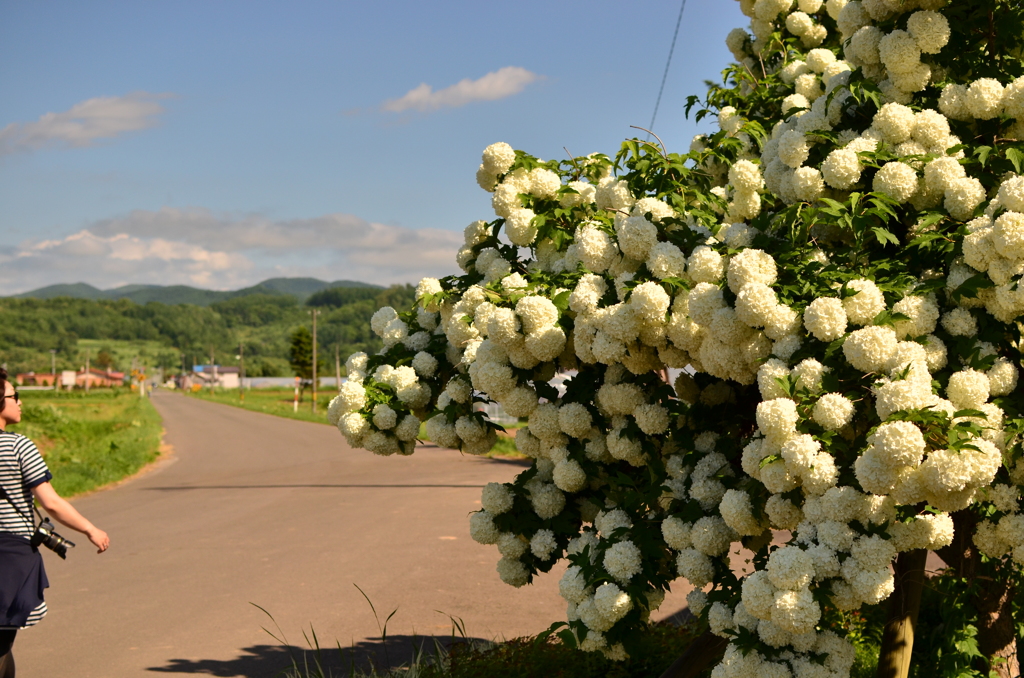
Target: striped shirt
x=21, y=469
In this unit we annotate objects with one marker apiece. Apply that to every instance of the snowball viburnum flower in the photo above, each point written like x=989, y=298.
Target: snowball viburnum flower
x=594, y=276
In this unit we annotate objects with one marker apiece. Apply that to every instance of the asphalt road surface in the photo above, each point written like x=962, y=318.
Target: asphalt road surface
x=252, y=509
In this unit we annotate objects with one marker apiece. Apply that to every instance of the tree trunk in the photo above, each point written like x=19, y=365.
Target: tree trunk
x=996, y=638
x=706, y=650
x=904, y=603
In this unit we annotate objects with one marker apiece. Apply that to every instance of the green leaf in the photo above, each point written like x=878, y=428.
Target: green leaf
x=561, y=301
x=924, y=242
x=786, y=384
x=969, y=288
x=544, y=635
x=691, y=101
x=969, y=413
x=568, y=638
x=983, y=152
x=884, y=236
x=889, y=318
x=835, y=346
x=930, y=220
x=1015, y=156
x=834, y=208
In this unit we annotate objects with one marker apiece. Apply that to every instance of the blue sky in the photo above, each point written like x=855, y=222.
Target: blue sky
x=220, y=143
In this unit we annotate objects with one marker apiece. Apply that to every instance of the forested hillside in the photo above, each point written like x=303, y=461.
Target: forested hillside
x=115, y=332
x=183, y=294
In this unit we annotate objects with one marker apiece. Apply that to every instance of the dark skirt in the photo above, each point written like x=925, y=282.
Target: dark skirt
x=22, y=580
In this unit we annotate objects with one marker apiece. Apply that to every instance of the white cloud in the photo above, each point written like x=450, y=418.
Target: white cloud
x=496, y=85
x=199, y=248
x=84, y=123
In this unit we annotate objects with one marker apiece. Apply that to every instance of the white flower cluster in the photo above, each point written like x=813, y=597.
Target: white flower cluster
x=995, y=246
x=819, y=394
x=894, y=61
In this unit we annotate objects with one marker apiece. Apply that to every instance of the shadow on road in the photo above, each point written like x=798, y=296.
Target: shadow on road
x=273, y=661
x=679, y=618
x=281, y=661
x=289, y=486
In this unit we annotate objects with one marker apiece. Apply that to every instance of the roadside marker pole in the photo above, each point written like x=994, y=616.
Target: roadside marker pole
x=337, y=367
x=315, y=312
x=295, y=403
x=241, y=373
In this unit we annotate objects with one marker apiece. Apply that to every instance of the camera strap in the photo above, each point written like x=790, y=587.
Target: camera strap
x=10, y=501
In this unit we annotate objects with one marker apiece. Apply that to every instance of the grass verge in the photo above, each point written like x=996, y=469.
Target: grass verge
x=280, y=402
x=90, y=440
x=276, y=401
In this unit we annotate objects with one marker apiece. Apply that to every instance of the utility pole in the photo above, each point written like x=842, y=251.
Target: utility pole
x=213, y=366
x=53, y=366
x=88, y=355
x=337, y=367
x=315, y=312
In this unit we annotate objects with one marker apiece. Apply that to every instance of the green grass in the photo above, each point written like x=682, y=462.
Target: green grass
x=280, y=402
x=276, y=401
x=505, y=447
x=90, y=440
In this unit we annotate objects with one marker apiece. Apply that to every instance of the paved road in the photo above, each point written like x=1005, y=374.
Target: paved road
x=255, y=509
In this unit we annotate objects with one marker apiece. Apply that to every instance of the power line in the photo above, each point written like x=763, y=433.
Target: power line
x=667, y=64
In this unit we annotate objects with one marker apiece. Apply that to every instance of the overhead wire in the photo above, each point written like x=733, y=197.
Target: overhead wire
x=668, y=63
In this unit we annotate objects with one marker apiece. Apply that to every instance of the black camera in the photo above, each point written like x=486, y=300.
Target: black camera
x=47, y=537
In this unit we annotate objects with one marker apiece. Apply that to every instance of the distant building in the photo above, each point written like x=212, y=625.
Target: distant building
x=34, y=379
x=95, y=377
x=99, y=378
x=216, y=375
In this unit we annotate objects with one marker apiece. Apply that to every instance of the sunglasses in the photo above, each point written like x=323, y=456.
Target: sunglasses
x=17, y=398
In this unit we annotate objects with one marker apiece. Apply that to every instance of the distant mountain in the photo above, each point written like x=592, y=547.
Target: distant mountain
x=76, y=291
x=173, y=294
x=301, y=288
x=297, y=287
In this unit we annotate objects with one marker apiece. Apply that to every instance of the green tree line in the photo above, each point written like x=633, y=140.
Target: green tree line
x=262, y=324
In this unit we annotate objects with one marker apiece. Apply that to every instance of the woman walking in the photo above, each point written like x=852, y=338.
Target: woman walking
x=24, y=475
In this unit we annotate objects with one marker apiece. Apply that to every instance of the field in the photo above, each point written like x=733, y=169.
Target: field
x=90, y=440
x=149, y=353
